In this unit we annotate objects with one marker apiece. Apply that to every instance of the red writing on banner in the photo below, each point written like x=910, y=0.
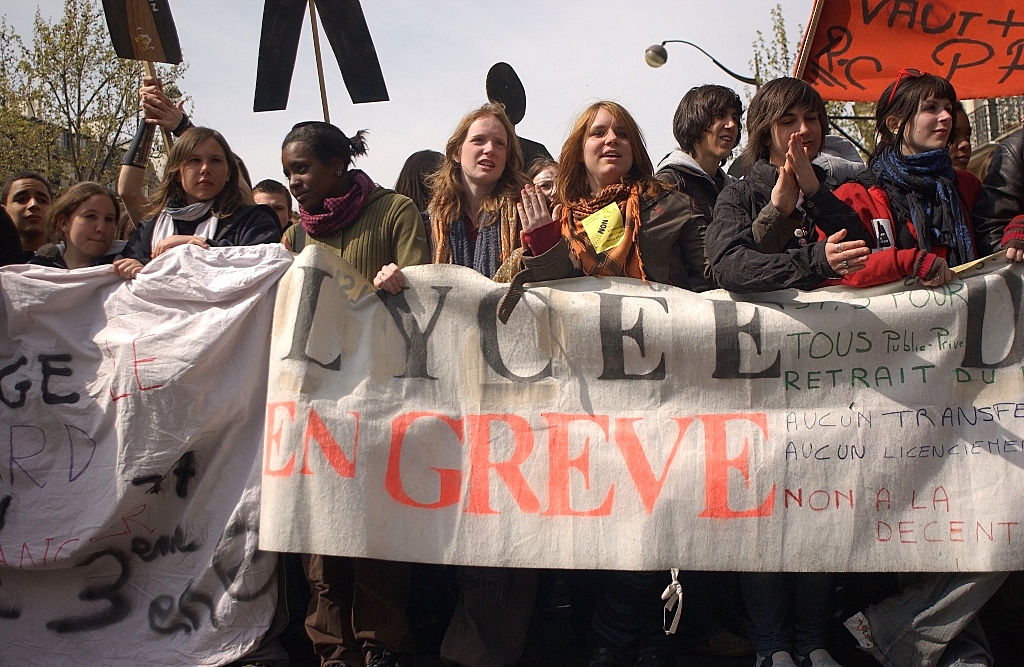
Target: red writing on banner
x=570, y=440
x=314, y=430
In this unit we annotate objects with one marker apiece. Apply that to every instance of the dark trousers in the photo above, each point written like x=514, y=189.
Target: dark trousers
x=787, y=611
x=492, y=616
x=357, y=604
x=628, y=613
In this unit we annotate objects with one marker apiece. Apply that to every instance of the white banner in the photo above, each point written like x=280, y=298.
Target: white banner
x=614, y=424
x=130, y=433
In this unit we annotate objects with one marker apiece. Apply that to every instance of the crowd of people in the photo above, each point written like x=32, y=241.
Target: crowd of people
x=807, y=213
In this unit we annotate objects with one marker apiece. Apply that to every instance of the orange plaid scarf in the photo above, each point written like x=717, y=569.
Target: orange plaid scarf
x=622, y=260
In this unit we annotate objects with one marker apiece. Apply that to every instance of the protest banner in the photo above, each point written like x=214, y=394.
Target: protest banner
x=853, y=49
x=130, y=433
x=617, y=424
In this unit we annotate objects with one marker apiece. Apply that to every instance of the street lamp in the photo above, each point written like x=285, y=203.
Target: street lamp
x=657, y=55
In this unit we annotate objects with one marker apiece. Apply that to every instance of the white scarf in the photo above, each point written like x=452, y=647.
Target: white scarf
x=163, y=225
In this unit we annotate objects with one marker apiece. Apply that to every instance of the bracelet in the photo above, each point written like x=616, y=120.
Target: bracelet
x=182, y=126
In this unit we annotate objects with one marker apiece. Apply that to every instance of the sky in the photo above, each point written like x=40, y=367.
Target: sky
x=435, y=55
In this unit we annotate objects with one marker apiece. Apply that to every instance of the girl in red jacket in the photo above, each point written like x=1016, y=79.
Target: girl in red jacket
x=911, y=198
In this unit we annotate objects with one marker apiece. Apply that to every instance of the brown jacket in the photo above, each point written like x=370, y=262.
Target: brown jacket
x=671, y=246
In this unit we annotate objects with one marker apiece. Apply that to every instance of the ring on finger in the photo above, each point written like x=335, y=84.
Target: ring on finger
x=839, y=247
x=846, y=264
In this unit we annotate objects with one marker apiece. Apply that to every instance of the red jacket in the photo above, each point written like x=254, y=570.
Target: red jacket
x=892, y=264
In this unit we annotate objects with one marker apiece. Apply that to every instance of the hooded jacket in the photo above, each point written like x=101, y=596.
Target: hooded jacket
x=680, y=170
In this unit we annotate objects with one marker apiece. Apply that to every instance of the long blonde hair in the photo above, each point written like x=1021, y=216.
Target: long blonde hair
x=170, y=191
x=446, y=185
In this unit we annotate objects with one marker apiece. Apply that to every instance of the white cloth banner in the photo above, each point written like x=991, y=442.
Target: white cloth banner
x=614, y=424
x=130, y=437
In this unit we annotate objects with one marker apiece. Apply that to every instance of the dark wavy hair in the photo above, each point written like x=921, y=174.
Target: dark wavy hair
x=327, y=142
x=170, y=191
x=19, y=175
x=904, y=104
x=412, y=180
x=770, y=103
x=698, y=110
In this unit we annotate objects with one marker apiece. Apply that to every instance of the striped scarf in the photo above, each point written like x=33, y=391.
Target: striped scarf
x=497, y=238
x=622, y=260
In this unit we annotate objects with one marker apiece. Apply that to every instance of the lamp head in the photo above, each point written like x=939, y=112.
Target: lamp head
x=656, y=55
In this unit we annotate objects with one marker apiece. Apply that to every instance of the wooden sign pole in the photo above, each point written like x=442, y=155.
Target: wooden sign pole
x=319, y=61
x=168, y=139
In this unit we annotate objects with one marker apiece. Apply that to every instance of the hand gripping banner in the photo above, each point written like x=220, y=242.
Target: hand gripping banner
x=615, y=424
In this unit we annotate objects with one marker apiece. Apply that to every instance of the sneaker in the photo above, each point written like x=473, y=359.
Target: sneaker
x=386, y=658
x=777, y=659
x=724, y=644
x=607, y=657
x=819, y=657
x=653, y=659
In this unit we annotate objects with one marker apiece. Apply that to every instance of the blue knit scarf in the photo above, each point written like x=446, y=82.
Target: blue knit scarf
x=483, y=254
x=922, y=188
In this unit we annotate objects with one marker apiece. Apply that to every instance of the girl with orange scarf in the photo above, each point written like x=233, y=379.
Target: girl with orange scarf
x=616, y=219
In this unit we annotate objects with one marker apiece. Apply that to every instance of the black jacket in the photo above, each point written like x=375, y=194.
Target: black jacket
x=1002, y=195
x=736, y=263
x=249, y=225
x=52, y=255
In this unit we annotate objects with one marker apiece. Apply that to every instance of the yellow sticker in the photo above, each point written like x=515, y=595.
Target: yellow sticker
x=605, y=227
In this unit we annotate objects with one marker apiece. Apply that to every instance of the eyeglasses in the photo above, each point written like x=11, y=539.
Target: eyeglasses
x=909, y=72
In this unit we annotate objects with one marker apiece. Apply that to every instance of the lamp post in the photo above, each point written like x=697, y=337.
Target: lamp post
x=657, y=55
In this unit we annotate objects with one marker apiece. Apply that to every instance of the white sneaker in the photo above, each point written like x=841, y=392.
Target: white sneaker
x=777, y=659
x=819, y=657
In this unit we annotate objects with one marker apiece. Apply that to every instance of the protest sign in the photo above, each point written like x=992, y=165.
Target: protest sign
x=616, y=424
x=130, y=432
x=853, y=49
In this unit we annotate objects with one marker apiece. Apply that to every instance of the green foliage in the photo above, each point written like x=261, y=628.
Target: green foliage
x=772, y=59
x=69, y=104
x=776, y=58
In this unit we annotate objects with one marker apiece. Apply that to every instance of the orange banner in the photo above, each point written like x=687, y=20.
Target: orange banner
x=853, y=49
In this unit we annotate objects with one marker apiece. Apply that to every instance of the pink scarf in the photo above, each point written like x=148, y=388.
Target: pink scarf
x=339, y=212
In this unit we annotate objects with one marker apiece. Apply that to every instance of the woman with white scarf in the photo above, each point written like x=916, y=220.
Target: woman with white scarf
x=199, y=202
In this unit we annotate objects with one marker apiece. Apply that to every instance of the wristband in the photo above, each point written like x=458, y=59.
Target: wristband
x=182, y=126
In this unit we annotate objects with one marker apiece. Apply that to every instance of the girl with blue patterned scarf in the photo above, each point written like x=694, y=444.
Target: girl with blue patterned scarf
x=911, y=198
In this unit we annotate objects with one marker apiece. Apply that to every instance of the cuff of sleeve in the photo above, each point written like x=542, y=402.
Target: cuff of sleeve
x=554, y=264
x=925, y=265
x=1013, y=235
x=542, y=239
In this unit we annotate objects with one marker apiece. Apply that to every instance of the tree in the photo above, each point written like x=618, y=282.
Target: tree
x=70, y=104
x=773, y=59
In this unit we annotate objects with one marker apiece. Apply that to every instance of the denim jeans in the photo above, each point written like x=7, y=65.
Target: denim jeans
x=931, y=622
x=788, y=611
